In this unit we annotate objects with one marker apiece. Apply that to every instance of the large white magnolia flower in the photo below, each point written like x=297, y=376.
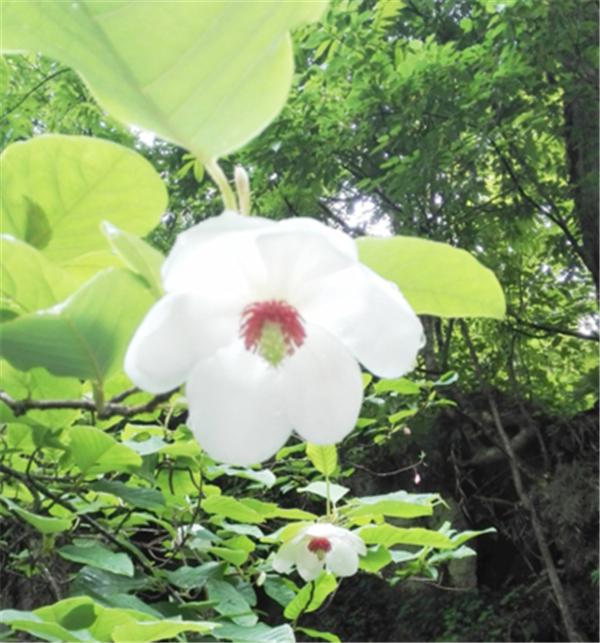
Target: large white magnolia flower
x=265, y=323
x=321, y=545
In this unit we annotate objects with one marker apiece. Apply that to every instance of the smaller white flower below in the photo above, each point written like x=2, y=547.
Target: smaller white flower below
x=321, y=545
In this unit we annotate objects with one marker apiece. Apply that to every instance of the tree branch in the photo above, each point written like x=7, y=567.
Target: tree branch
x=558, y=331
x=31, y=91
x=20, y=407
x=538, y=529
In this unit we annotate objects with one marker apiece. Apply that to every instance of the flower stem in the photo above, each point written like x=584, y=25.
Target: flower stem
x=327, y=499
x=98, y=393
x=218, y=176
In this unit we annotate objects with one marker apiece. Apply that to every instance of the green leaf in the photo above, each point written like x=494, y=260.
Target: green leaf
x=435, y=278
x=208, y=76
x=98, y=582
x=375, y=559
x=136, y=496
x=387, y=535
x=402, y=386
x=87, y=335
x=33, y=624
x=336, y=491
x=97, y=555
x=44, y=524
x=231, y=602
x=317, y=634
x=311, y=597
x=279, y=589
x=195, y=577
x=237, y=557
x=324, y=458
x=157, y=631
x=230, y=508
x=97, y=452
x=72, y=183
x=399, y=504
x=141, y=257
x=260, y=633
x=28, y=281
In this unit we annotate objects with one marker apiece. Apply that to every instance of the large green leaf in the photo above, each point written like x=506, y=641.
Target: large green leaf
x=140, y=256
x=435, y=278
x=206, y=75
x=97, y=452
x=231, y=508
x=97, y=555
x=56, y=190
x=164, y=630
x=87, y=335
x=28, y=281
x=44, y=524
x=137, y=496
x=387, y=535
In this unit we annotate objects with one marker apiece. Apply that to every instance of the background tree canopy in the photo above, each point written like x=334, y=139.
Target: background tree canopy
x=469, y=122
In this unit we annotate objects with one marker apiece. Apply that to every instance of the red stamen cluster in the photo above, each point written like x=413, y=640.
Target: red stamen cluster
x=317, y=544
x=277, y=312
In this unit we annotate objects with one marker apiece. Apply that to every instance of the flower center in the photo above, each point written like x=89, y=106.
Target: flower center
x=319, y=546
x=273, y=329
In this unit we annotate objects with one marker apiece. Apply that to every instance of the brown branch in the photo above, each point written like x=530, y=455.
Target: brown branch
x=20, y=407
x=555, y=582
x=558, y=331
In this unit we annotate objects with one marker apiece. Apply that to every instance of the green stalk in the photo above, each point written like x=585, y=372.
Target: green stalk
x=218, y=176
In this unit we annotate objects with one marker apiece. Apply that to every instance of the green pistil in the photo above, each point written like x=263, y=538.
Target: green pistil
x=272, y=345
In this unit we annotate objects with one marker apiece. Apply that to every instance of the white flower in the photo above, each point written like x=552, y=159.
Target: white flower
x=265, y=323
x=321, y=545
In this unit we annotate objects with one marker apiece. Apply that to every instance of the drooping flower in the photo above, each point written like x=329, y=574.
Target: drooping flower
x=321, y=545
x=265, y=322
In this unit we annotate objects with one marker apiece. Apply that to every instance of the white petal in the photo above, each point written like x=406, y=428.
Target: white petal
x=353, y=541
x=370, y=316
x=177, y=331
x=190, y=241
x=308, y=563
x=285, y=558
x=300, y=251
x=236, y=407
x=323, y=388
x=342, y=560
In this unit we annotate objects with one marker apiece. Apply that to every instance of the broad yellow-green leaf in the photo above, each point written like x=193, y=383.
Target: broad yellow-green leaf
x=56, y=190
x=387, y=535
x=85, y=267
x=87, y=335
x=151, y=630
x=435, y=278
x=375, y=559
x=28, y=281
x=206, y=75
x=140, y=256
x=324, y=458
x=231, y=508
x=97, y=452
